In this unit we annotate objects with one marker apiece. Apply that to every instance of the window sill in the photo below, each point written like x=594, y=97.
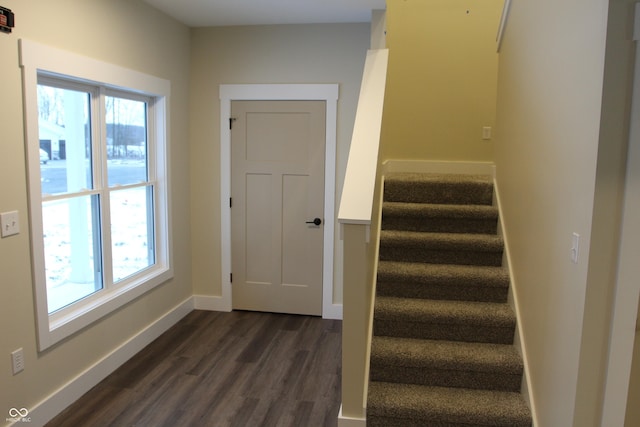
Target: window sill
x=72, y=319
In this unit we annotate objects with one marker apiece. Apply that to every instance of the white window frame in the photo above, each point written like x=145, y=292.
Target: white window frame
x=38, y=59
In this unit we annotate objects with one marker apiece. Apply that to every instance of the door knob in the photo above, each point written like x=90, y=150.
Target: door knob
x=316, y=221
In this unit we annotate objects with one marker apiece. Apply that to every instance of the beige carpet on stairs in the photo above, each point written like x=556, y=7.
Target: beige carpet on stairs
x=442, y=350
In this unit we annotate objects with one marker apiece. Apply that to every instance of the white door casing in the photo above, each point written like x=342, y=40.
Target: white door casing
x=320, y=92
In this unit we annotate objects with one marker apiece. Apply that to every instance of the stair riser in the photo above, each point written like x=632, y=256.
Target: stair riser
x=375, y=421
x=439, y=225
x=454, y=293
x=399, y=252
x=449, y=332
x=443, y=193
x=442, y=378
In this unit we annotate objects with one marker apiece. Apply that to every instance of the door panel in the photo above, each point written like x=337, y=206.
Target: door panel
x=277, y=186
x=258, y=229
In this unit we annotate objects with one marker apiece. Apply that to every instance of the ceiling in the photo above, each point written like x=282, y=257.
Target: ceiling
x=208, y=13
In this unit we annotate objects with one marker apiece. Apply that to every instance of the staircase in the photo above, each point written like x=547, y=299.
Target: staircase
x=442, y=350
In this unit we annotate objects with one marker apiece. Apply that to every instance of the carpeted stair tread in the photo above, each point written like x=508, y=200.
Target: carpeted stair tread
x=436, y=210
x=446, y=363
x=451, y=355
x=439, y=188
x=394, y=404
x=439, y=217
x=444, y=320
x=442, y=281
x=443, y=241
x=444, y=312
x=441, y=248
x=442, y=274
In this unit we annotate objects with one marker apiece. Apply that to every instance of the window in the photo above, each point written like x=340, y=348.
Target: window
x=97, y=161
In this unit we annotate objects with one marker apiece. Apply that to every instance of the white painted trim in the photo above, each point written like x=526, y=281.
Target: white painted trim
x=503, y=24
x=37, y=58
x=627, y=290
x=514, y=301
x=57, y=401
x=350, y=422
x=332, y=311
x=444, y=167
x=360, y=177
x=211, y=303
x=272, y=92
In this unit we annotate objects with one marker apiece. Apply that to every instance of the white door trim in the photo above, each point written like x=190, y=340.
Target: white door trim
x=281, y=92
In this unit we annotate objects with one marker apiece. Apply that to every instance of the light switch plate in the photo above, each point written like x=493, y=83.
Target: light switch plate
x=9, y=223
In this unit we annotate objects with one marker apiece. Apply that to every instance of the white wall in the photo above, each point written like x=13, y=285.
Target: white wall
x=549, y=106
x=332, y=53
x=130, y=34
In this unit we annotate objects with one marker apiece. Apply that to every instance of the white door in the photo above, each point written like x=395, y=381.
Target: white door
x=277, y=191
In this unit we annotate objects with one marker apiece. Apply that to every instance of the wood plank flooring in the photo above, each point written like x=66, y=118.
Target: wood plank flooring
x=223, y=369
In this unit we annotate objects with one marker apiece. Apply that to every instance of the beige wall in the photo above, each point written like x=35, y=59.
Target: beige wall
x=126, y=33
x=632, y=418
x=560, y=150
x=442, y=79
x=261, y=54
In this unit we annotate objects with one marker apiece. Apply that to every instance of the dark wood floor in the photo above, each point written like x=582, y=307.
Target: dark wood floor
x=223, y=369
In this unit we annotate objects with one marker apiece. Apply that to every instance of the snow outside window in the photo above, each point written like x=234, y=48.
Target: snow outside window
x=98, y=189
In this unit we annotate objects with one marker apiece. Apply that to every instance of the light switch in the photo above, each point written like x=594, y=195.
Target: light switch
x=9, y=223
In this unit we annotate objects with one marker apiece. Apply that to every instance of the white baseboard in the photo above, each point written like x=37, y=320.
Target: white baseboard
x=211, y=303
x=514, y=301
x=55, y=403
x=428, y=166
x=216, y=303
x=332, y=311
x=350, y=422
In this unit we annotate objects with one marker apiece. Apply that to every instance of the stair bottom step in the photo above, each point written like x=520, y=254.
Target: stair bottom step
x=391, y=404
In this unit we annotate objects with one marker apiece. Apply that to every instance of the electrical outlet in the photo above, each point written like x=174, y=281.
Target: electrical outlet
x=9, y=223
x=17, y=360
